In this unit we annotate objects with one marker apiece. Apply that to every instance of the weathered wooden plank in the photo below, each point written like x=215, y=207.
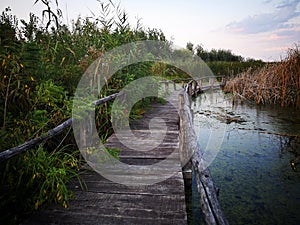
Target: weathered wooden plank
x=138, y=170
x=98, y=184
x=144, y=162
x=87, y=219
x=153, y=203
x=146, y=135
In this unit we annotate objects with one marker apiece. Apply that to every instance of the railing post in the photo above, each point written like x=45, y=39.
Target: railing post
x=223, y=82
x=190, y=89
x=167, y=85
x=200, y=84
x=195, y=86
x=182, y=84
x=211, y=82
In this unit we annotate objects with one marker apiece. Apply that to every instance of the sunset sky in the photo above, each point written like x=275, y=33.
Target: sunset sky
x=260, y=29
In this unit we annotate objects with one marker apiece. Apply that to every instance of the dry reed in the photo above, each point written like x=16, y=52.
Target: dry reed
x=277, y=83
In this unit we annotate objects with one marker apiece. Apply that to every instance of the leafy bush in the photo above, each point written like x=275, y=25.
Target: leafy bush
x=29, y=181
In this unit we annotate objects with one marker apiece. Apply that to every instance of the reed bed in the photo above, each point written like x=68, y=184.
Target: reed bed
x=277, y=83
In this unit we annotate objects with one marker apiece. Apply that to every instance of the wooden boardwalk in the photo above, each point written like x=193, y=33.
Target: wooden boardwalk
x=107, y=202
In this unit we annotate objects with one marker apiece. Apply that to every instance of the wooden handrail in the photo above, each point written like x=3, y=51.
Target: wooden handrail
x=197, y=79
x=106, y=99
x=7, y=154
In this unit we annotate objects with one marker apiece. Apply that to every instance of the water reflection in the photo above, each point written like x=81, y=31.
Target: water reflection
x=252, y=169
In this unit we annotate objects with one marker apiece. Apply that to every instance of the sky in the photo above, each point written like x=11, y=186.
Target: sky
x=259, y=29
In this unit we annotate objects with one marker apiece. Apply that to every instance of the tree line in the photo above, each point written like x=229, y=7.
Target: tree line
x=215, y=55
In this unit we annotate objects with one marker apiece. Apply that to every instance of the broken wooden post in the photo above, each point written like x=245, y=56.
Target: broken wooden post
x=166, y=85
x=190, y=89
x=211, y=82
x=195, y=87
x=200, y=83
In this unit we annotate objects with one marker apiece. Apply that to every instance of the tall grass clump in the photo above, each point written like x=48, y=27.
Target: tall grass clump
x=276, y=83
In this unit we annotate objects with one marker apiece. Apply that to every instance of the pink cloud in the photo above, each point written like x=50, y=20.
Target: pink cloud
x=275, y=37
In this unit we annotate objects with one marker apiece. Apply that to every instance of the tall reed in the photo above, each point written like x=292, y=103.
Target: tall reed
x=277, y=83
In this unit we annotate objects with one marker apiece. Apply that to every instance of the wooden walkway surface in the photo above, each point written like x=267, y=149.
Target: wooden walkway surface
x=107, y=202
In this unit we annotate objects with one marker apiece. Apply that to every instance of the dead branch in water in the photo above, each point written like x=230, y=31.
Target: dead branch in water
x=279, y=134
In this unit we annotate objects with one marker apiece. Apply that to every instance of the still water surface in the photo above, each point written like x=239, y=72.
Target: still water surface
x=252, y=168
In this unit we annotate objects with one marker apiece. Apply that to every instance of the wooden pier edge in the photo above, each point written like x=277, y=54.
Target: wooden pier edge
x=188, y=145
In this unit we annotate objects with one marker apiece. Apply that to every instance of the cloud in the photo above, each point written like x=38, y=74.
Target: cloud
x=276, y=49
x=266, y=22
x=267, y=1
x=275, y=37
x=294, y=32
x=287, y=3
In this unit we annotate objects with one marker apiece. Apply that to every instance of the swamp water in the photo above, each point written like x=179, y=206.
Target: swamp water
x=252, y=170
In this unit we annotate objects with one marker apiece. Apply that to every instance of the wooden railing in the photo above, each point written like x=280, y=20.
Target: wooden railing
x=189, y=146
x=203, y=84
x=7, y=154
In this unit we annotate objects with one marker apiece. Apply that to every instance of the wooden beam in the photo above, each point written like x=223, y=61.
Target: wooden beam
x=7, y=154
x=106, y=99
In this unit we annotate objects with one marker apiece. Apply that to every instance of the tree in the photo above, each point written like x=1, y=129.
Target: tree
x=8, y=26
x=190, y=46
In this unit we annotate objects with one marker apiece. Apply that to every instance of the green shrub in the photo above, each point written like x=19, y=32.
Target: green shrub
x=29, y=181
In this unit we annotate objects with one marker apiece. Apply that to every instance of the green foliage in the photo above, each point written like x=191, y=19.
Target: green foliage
x=8, y=26
x=216, y=55
x=114, y=152
x=40, y=69
x=36, y=178
x=221, y=62
x=190, y=46
x=233, y=68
